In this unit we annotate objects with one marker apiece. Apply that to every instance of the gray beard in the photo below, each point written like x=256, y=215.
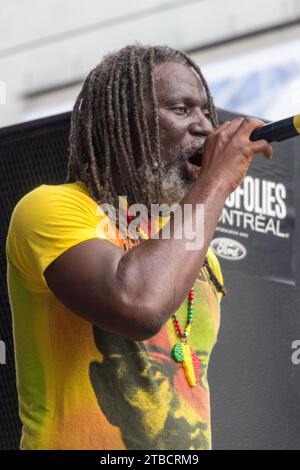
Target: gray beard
x=174, y=183
x=173, y=186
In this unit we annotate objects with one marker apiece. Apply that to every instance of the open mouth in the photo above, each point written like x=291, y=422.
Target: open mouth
x=196, y=158
x=193, y=165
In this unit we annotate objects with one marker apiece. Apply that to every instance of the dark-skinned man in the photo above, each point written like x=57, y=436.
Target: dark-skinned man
x=113, y=336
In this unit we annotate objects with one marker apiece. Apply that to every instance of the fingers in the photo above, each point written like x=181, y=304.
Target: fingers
x=230, y=126
x=242, y=128
x=262, y=146
x=248, y=125
x=223, y=126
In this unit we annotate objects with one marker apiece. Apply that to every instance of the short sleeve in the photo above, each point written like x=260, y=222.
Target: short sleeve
x=45, y=223
x=215, y=265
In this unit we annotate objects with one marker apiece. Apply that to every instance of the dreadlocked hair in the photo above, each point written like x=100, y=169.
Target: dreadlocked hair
x=108, y=112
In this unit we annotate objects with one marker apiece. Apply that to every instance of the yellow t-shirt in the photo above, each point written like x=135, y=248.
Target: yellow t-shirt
x=81, y=387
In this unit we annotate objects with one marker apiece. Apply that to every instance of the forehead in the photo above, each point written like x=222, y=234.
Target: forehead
x=177, y=81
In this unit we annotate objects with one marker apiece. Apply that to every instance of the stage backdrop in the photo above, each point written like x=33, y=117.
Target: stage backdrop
x=254, y=371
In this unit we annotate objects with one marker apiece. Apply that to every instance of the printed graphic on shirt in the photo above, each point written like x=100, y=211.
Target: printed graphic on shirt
x=135, y=389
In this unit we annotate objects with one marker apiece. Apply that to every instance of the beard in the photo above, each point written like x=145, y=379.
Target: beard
x=173, y=187
x=173, y=184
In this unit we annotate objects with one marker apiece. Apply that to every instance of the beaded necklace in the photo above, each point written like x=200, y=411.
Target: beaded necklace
x=182, y=352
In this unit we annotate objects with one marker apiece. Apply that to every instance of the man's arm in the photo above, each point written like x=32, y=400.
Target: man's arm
x=132, y=294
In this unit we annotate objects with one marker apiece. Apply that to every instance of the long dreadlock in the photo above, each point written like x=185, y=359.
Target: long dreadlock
x=108, y=112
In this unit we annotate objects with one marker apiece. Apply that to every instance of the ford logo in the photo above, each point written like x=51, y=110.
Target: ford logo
x=228, y=248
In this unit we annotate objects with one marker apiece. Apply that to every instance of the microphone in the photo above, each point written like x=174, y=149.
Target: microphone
x=278, y=131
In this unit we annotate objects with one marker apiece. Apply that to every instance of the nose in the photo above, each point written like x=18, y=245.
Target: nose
x=201, y=126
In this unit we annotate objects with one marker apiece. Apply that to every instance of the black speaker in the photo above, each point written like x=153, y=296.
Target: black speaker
x=255, y=388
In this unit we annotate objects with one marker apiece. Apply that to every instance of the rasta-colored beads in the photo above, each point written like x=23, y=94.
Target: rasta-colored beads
x=181, y=352
x=189, y=322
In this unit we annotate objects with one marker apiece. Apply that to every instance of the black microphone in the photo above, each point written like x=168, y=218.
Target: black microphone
x=278, y=131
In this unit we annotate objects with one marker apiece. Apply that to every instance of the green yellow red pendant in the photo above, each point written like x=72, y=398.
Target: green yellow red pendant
x=181, y=352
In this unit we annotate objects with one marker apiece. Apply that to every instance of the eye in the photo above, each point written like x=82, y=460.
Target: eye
x=206, y=113
x=181, y=110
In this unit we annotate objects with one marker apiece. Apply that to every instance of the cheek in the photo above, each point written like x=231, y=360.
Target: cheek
x=169, y=123
x=172, y=132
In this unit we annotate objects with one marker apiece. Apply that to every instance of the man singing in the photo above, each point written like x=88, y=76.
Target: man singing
x=112, y=334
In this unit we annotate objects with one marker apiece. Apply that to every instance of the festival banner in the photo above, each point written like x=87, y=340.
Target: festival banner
x=255, y=233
